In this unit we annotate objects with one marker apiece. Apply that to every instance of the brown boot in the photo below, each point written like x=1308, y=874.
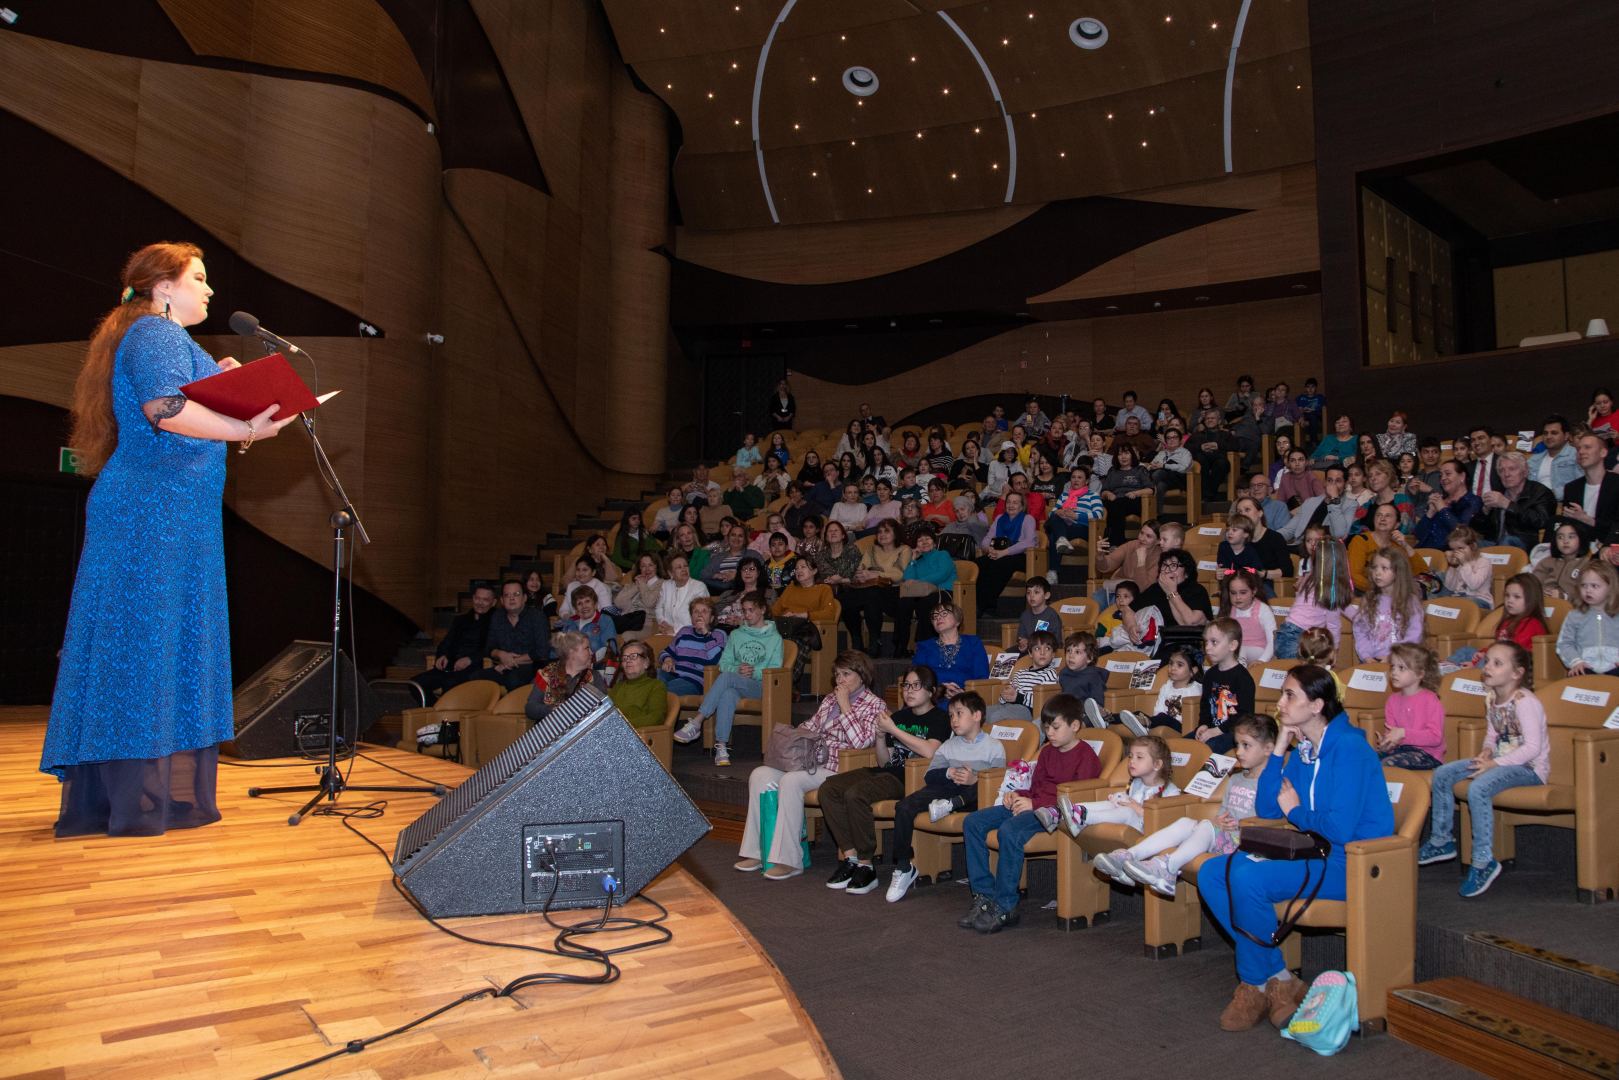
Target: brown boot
x=1282, y=1000
x=1247, y=1008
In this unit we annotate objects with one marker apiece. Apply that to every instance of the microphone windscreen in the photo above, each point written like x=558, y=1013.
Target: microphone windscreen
x=244, y=324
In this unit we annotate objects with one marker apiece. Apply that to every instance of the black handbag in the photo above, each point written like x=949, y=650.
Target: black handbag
x=1280, y=845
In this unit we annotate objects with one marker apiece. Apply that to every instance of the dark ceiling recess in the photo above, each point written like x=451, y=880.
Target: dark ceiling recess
x=480, y=125
x=59, y=269
x=997, y=275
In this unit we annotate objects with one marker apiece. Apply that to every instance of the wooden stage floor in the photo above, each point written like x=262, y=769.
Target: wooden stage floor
x=246, y=947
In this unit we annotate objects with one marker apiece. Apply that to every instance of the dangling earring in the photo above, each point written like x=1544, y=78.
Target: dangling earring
x=166, y=310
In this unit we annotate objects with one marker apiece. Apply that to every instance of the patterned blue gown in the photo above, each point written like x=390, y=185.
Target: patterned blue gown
x=143, y=694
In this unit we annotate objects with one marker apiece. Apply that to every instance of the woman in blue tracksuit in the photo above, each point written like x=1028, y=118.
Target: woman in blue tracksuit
x=1332, y=785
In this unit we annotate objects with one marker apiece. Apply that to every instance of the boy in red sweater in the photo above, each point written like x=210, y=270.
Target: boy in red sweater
x=1022, y=815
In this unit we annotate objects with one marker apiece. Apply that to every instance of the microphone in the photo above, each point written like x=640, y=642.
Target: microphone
x=248, y=326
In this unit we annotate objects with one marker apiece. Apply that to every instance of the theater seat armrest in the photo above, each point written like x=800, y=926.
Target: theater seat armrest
x=1380, y=846
x=989, y=782
x=1163, y=812
x=1087, y=790
x=864, y=758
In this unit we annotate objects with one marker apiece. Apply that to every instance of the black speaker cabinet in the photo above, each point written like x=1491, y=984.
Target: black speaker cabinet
x=574, y=809
x=283, y=710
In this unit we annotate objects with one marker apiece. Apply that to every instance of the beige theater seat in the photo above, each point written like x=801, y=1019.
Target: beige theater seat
x=453, y=706
x=1580, y=789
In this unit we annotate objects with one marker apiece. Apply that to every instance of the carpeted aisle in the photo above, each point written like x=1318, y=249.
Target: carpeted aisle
x=898, y=990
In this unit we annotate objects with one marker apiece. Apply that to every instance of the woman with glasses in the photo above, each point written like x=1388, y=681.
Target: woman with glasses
x=953, y=657
x=847, y=798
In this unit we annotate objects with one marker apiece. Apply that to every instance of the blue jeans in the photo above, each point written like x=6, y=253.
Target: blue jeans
x=1256, y=888
x=1015, y=831
x=1057, y=528
x=680, y=685
x=1287, y=641
x=720, y=701
x=1480, y=803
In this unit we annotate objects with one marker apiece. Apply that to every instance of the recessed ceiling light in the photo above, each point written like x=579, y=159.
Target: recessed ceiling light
x=795, y=127
x=947, y=90
x=1033, y=115
x=843, y=37
x=860, y=81
x=711, y=95
x=1088, y=32
x=1200, y=299
x=1006, y=41
x=1031, y=14
x=1143, y=143
x=952, y=176
x=1110, y=116
x=812, y=78
x=851, y=142
x=913, y=59
x=738, y=123
x=1298, y=86
x=870, y=190
x=661, y=30
x=668, y=86
x=1300, y=286
x=1214, y=26
x=733, y=65
x=1169, y=18
x=919, y=134
x=1062, y=153
x=976, y=131
x=1112, y=307
x=813, y=173
x=994, y=165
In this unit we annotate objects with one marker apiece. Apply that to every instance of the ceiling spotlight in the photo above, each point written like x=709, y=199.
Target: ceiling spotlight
x=976, y=130
x=1110, y=116
x=860, y=81
x=1169, y=18
x=919, y=134
x=1088, y=32
x=812, y=78
x=1152, y=112
x=1214, y=26
x=1031, y=14
x=668, y=86
x=733, y=65
x=795, y=127
x=738, y=123
x=1033, y=115
x=711, y=95
x=947, y=91
x=661, y=30
x=1143, y=144
x=870, y=190
x=913, y=59
x=1006, y=41
x=813, y=173
x=851, y=142
x=994, y=165
x=1062, y=153
x=952, y=176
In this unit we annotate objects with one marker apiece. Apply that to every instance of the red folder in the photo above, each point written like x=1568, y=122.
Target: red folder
x=242, y=393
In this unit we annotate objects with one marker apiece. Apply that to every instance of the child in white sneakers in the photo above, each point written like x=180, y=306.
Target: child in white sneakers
x=1148, y=765
x=1156, y=860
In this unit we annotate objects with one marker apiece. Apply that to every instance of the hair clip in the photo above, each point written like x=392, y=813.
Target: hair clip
x=127, y=295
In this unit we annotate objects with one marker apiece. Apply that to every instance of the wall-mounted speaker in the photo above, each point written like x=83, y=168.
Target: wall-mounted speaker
x=574, y=809
x=284, y=710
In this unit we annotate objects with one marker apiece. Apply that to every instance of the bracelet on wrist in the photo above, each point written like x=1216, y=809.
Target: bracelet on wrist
x=249, y=440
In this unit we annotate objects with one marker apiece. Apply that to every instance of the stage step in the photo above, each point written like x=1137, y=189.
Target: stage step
x=1500, y=1034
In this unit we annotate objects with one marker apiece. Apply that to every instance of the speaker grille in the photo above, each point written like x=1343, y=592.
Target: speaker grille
x=582, y=705
x=279, y=676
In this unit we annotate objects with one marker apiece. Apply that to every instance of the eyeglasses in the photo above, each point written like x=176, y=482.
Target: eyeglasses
x=910, y=684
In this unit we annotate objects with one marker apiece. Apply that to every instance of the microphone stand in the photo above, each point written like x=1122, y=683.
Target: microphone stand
x=332, y=783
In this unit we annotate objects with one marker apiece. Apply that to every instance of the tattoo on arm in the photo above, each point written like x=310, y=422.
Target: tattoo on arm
x=163, y=408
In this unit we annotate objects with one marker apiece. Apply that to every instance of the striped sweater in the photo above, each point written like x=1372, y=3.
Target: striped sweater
x=692, y=652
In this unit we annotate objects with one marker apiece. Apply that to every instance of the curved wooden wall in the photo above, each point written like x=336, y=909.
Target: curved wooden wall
x=457, y=455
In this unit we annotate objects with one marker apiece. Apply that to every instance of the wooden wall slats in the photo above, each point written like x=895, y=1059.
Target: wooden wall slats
x=191, y=144
x=88, y=99
x=1278, y=237
x=1170, y=354
x=842, y=251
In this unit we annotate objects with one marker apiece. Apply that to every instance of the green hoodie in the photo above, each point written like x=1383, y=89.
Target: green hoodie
x=761, y=648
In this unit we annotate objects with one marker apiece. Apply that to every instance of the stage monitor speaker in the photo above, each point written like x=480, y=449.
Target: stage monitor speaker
x=283, y=710
x=574, y=809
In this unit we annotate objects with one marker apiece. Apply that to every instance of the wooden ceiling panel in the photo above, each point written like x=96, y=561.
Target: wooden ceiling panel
x=1162, y=76
x=926, y=78
x=88, y=98
x=720, y=191
x=958, y=167
x=200, y=164
x=355, y=38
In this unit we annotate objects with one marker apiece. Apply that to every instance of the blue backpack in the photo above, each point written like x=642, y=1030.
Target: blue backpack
x=1328, y=1015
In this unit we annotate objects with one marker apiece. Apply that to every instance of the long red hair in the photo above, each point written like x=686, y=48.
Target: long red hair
x=95, y=428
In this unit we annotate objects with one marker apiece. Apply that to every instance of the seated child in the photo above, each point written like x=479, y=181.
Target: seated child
x=1235, y=553
x=1181, y=680
x=1522, y=603
x=1391, y=609
x=1468, y=573
x=1317, y=647
x=1022, y=815
x=1413, y=715
x=1516, y=753
x=1125, y=628
x=1228, y=689
x=1038, y=615
x=950, y=784
x=1589, y=641
x=1242, y=601
x=1156, y=861
x=1079, y=675
x=596, y=626
x=1148, y=765
x=1017, y=699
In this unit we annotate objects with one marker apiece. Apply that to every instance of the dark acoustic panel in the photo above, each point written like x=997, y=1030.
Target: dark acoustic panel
x=582, y=775
x=282, y=710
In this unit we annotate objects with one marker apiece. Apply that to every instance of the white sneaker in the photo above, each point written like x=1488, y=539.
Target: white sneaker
x=1153, y=873
x=940, y=808
x=690, y=731
x=1073, y=814
x=1051, y=578
x=1133, y=722
x=722, y=754
x=1093, y=713
x=900, y=884
x=1064, y=544
x=1111, y=863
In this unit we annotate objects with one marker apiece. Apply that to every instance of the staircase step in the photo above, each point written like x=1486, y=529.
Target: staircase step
x=1500, y=1034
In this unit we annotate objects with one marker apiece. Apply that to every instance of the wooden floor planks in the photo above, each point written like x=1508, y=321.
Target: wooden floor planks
x=249, y=946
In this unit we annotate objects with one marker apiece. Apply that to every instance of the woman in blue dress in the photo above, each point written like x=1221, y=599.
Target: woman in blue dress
x=143, y=694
